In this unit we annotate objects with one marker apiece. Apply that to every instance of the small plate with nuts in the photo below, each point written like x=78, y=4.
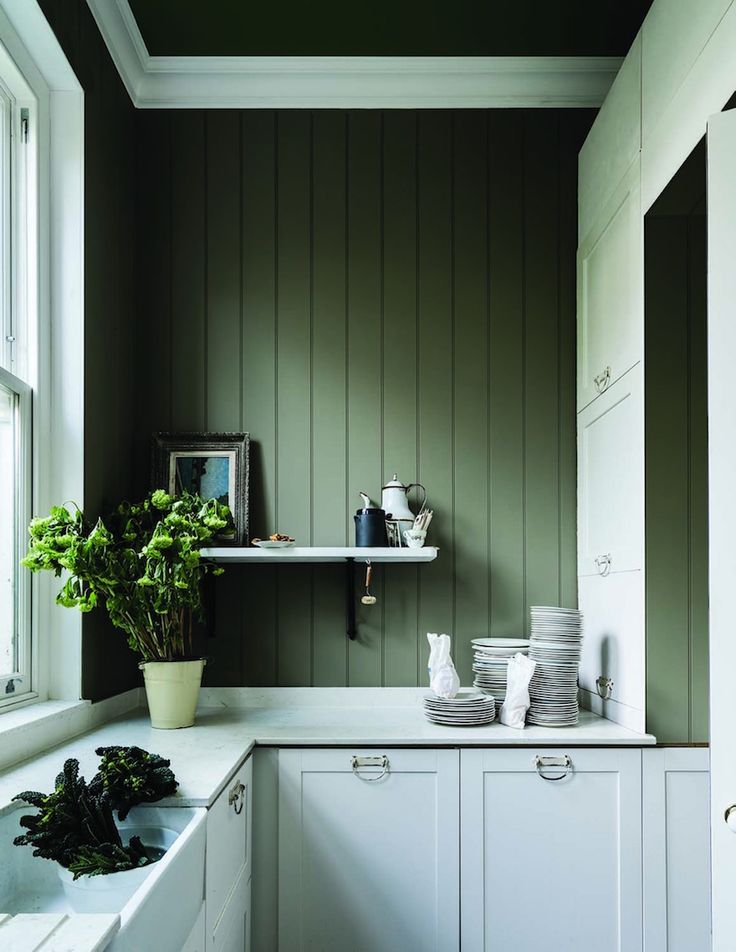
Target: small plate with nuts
x=276, y=541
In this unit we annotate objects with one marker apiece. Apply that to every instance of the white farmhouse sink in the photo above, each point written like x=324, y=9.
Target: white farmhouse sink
x=175, y=882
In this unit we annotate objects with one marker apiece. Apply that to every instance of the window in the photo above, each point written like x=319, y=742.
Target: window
x=15, y=475
x=18, y=362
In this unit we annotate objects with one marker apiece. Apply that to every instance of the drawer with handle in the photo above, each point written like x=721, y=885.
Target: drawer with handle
x=368, y=829
x=228, y=843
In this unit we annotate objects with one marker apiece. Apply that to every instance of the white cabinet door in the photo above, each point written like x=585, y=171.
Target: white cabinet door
x=233, y=927
x=368, y=864
x=547, y=863
x=611, y=480
x=676, y=833
x=228, y=852
x=614, y=645
x=610, y=278
x=234, y=940
x=722, y=522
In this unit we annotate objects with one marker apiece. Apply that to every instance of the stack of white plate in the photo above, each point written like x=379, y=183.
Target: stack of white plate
x=468, y=708
x=491, y=661
x=556, y=642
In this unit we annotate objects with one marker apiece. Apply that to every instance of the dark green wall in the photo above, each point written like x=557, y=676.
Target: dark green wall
x=370, y=293
x=677, y=461
x=390, y=28
x=110, y=306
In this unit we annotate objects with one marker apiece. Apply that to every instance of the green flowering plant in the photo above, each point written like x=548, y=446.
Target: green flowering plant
x=143, y=563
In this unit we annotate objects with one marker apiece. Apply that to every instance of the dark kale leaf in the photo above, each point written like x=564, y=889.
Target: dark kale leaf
x=130, y=775
x=75, y=825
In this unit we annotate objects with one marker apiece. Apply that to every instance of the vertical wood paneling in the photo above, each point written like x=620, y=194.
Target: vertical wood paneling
x=698, y=474
x=471, y=378
x=369, y=293
x=294, y=393
x=259, y=237
x=667, y=594
x=506, y=275
x=329, y=389
x=572, y=128
x=435, y=370
x=366, y=329
x=223, y=271
x=188, y=268
x=223, y=372
x=541, y=372
x=154, y=273
x=676, y=468
x=400, y=374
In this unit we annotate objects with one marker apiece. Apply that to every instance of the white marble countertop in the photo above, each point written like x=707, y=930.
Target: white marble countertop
x=232, y=721
x=58, y=932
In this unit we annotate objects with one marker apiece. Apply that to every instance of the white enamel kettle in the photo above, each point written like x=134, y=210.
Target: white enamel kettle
x=395, y=502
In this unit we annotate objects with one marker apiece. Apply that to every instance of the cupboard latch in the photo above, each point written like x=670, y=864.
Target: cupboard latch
x=235, y=797
x=604, y=687
x=602, y=380
x=603, y=563
x=562, y=767
x=377, y=762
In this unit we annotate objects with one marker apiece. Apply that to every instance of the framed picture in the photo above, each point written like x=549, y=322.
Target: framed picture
x=212, y=465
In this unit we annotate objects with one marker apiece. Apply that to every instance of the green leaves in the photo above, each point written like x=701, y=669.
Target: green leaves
x=130, y=775
x=108, y=858
x=143, y=563
x=75, y=824
x=161, y=499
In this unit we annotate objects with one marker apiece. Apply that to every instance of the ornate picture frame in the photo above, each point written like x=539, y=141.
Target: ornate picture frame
x=210, y=464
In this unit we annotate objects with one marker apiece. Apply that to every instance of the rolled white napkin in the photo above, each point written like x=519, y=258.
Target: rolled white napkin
x=443, y=677
x=516, y=704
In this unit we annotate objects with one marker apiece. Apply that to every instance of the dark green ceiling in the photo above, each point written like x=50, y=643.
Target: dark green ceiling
x=397, y=28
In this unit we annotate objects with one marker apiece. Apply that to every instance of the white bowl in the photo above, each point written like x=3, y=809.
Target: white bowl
x=103, y=893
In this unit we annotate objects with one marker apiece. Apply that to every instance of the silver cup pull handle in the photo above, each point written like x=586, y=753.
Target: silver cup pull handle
x=236, y=799
x=562, y=767
x=359, y=762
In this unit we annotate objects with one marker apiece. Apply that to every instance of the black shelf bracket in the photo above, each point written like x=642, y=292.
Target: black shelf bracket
x=350, y=623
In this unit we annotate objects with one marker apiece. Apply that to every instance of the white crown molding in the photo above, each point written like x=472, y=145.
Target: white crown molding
x=346, y=82
x=119, y=30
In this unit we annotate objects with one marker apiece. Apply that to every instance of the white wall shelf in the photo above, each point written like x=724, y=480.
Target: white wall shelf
x=320, y=554
x=347, y=554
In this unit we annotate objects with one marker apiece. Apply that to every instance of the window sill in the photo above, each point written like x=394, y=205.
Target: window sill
x=26, y=731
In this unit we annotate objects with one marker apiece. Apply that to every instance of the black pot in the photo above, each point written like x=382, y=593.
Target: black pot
x=370, y=528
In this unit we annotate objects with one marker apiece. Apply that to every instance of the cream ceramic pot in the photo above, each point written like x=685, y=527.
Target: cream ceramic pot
x=395, y=501
x=172, y=691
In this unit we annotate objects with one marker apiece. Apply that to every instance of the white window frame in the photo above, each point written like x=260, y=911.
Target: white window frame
x=52, y=356
x=6, y=224
x=19, y=682
x=19, y=337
